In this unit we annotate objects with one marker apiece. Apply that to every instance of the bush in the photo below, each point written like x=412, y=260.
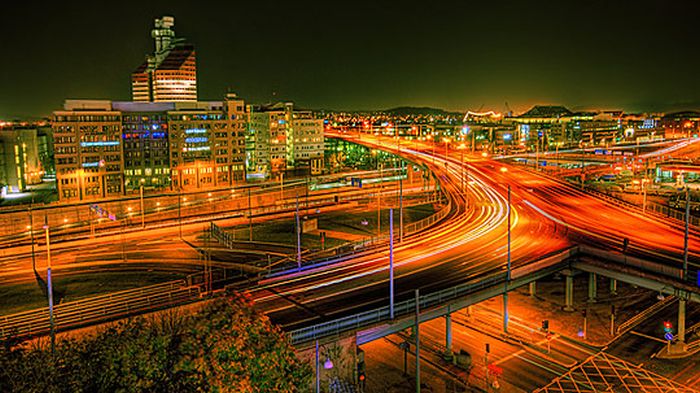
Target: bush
x=223, y=347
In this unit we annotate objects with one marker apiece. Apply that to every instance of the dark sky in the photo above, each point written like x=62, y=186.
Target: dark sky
x=633, y=55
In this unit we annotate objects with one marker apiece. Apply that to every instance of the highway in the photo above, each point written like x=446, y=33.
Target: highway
x=470, y=243
x=161, y=247
x=547, y=216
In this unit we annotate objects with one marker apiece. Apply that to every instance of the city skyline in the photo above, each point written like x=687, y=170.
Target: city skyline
x=364, y=57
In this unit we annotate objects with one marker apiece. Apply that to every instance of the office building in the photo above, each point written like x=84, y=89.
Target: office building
x=88, y=150
x=207, y=143
x=20, y=165
x=170, y=73
x=282, y=139
x=107, y=149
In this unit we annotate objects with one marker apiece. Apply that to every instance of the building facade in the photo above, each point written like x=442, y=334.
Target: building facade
x=170, y=73
x=88, y=150
x=20, y=165
x=108, y=149
x=281, y=139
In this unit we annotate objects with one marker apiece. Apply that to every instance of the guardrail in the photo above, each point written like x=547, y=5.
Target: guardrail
x=97, y=309
x=652, y=209
x=369, y=318
x=103, y=308
x=349, y=249
x=406, y=307
x=623, y=259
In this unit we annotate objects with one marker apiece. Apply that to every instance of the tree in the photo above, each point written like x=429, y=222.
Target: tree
x=225, y=346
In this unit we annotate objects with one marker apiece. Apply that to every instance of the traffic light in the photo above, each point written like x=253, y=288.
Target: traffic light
x=361, y=377
x=668, y=331
x=545, y=324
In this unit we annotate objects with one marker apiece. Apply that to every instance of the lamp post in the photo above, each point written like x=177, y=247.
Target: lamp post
x=143, y=213
x=298, y=234
x=379, y=203
x=391, y=263
x=508, y=265
x=447, y=141
x=250, y=218
x=31, y=233
x=281, y=185
x=49, y=284
x=685, y=236
x=179, y=211
x=644, y=195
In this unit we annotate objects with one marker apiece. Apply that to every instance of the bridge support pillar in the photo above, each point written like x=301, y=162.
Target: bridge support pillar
x=592, y=287
x=533, y=288
x=569, y=292
x=681, y=321
x=613, y=287
x=448, y=334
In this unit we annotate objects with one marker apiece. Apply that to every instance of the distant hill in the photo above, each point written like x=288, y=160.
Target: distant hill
x=410, y=110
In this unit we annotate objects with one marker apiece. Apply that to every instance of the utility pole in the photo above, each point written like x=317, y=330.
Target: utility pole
x=281, y=185
x=318, y=371
x=379, y=204
x=644, y=195
x=400, y=210
x=298, y=235
x=31, y=233
x=250, y=218
x=179, y=211
x=685, y=237
x=391, y=263
x=505, y=294
x=49, y=284
x=306, y=211
x=417, y=333
x=461, y=159
x=143, y=217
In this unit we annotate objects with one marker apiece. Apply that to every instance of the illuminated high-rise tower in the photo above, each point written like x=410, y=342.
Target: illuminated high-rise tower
x=170, y=73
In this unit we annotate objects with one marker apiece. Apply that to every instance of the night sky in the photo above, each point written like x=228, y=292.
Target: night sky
x=638, y=56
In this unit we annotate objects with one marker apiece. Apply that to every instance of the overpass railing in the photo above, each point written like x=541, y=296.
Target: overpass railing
x=369, y=318
x=382, y=314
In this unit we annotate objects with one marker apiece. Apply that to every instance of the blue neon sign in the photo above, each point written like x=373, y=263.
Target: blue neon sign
x=196, y=131
x=200, y=139
x=107, y=143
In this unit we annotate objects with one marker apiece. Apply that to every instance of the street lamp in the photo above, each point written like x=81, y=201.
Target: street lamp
x=644, y=194
x=505, y=292
x=49, y=284
x=447, y=141
x=461, y=148
x=143, y=217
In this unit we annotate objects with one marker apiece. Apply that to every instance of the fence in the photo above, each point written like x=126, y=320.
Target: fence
x=325, y=257
x=98, y=309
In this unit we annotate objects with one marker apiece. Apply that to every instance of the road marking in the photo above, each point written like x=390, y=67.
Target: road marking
x=538, y=365
x=648, y=337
